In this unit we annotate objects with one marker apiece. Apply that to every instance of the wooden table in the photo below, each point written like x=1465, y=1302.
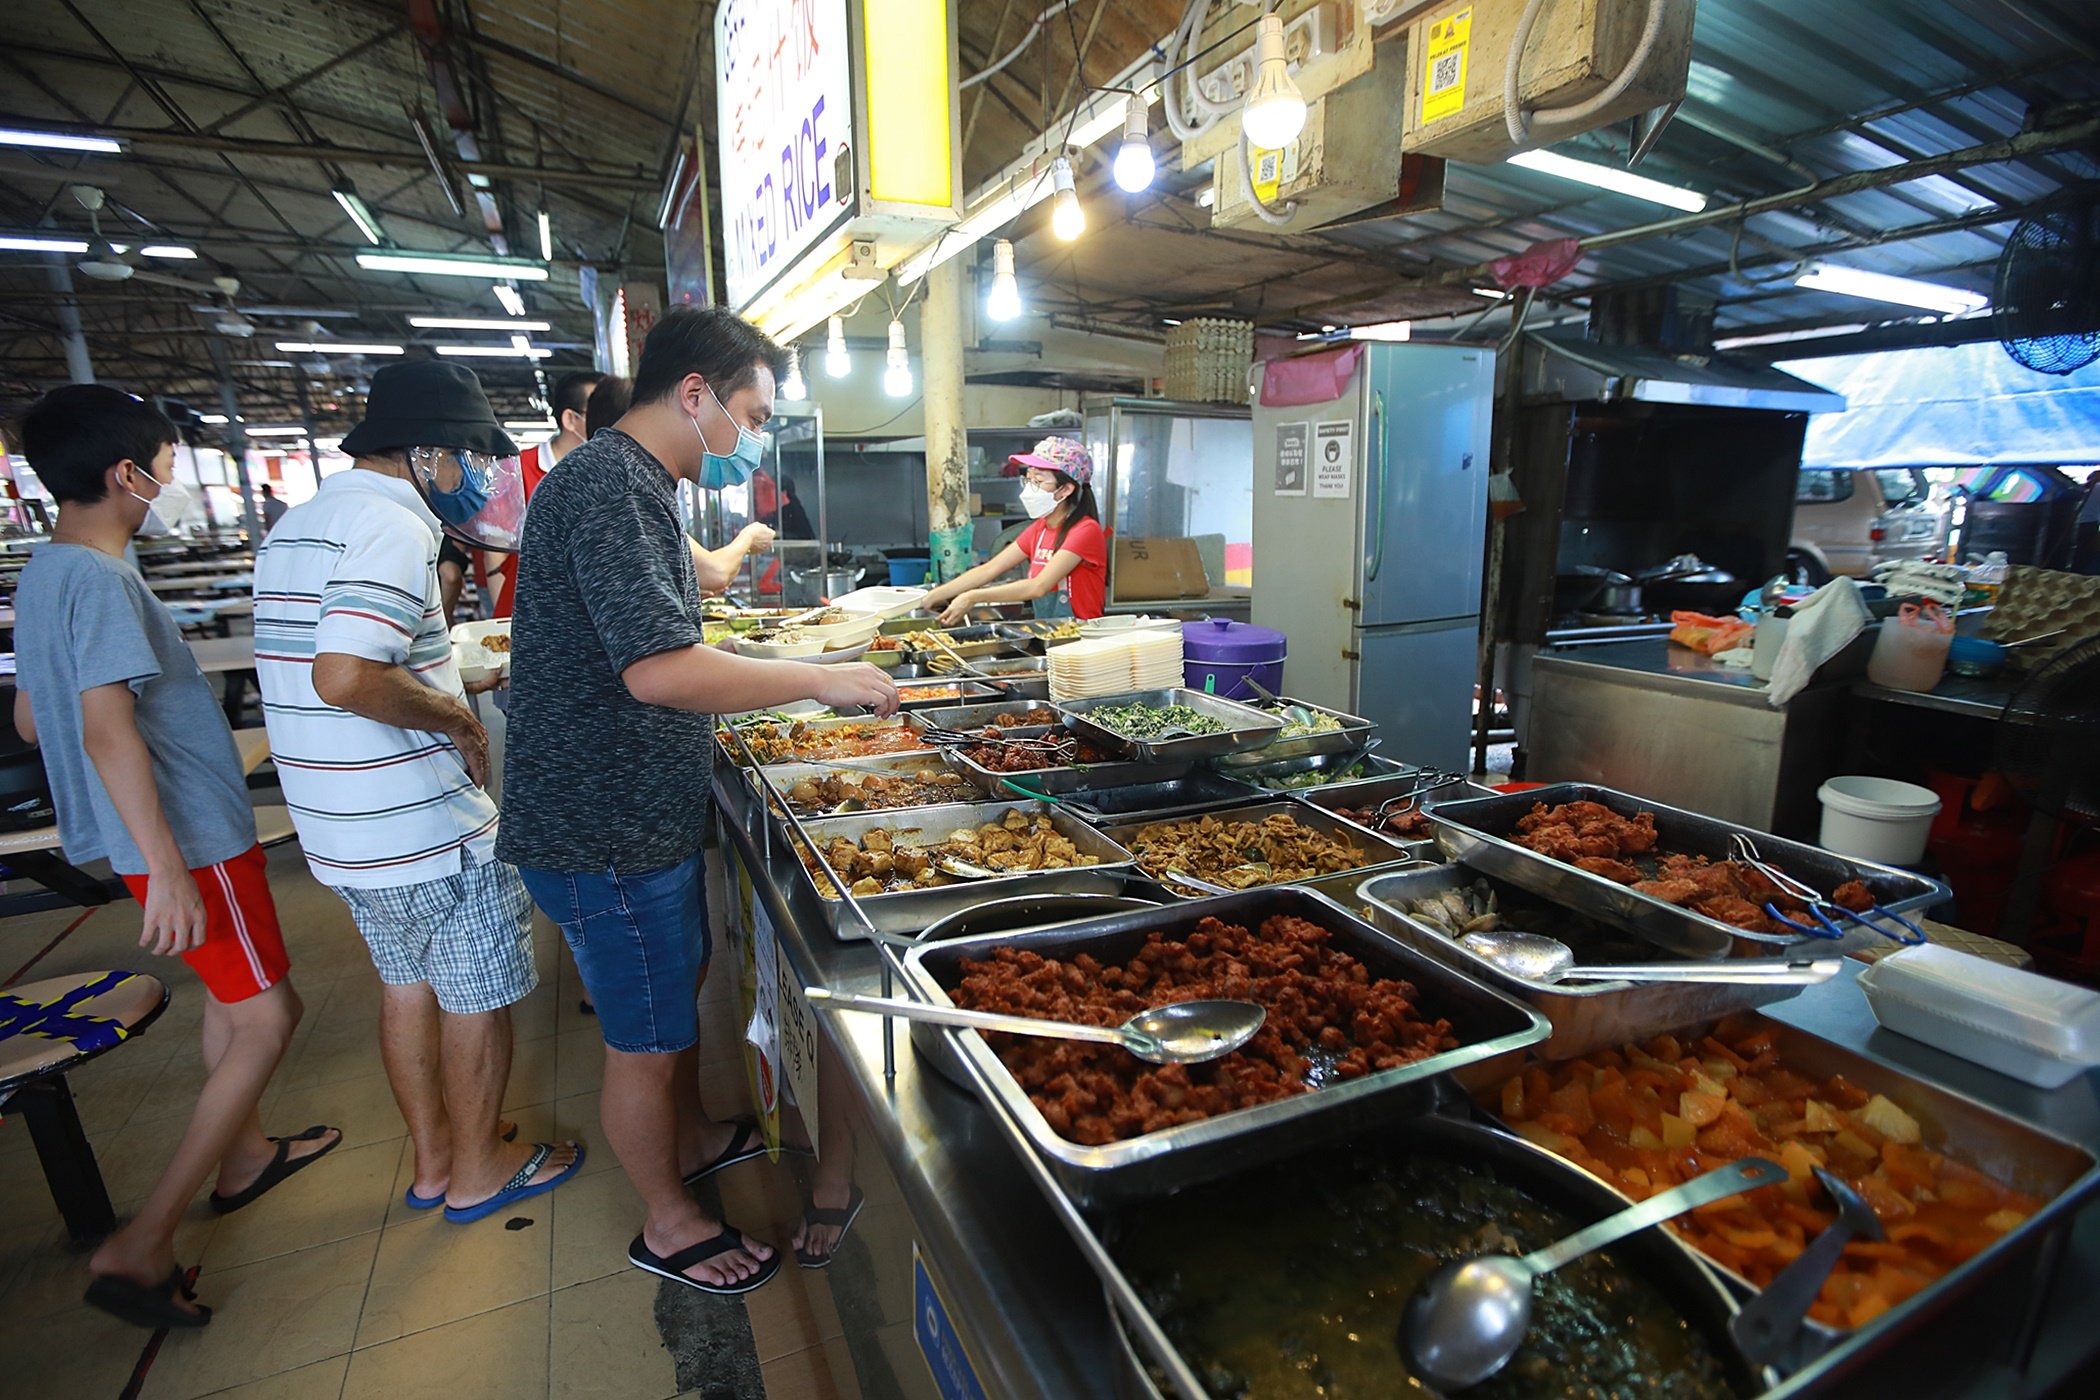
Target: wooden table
x=233, y=658
x=200, y=583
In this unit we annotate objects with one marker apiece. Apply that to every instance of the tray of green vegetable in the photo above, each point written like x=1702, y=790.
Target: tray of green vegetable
x=1164, y=726
x=1307, y=729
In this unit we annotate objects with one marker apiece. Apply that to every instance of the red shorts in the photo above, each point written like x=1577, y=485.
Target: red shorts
x=243, y=949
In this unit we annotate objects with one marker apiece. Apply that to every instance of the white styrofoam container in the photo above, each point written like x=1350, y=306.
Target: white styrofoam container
x=2022, y=1024
x=478, y=663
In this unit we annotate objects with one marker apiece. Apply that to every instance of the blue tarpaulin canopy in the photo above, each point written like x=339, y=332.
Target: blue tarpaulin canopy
x=1950, y=406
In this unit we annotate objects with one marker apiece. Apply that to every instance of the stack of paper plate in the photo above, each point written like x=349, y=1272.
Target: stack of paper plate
x=1139, y=659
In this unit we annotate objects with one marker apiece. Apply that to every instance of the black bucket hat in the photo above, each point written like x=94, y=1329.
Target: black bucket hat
x=428, y=403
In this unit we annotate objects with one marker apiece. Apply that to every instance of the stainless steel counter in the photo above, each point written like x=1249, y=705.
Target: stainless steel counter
x=1031, y=1314
x=1954, y=695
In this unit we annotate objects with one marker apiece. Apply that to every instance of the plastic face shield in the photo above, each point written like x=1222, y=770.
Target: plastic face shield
x=478, y=497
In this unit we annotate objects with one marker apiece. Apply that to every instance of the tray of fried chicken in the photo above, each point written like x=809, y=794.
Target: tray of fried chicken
x=1671, y=874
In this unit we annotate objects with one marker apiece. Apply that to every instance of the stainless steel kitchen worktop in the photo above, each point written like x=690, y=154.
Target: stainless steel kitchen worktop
x=1031, y=1314
x=1662, y=666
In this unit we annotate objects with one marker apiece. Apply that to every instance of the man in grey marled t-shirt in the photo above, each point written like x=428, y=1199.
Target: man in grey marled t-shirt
x=610, y=756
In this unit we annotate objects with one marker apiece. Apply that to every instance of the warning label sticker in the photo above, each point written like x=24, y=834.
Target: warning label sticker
x=1444, y=66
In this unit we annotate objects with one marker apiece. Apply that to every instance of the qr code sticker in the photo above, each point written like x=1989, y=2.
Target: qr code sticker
x=1446, y=70
x=1268, y=167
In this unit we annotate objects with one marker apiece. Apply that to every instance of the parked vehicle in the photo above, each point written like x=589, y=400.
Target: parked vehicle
x=1847, y=521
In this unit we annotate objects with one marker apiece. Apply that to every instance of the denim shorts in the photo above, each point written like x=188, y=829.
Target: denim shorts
x=640, y=942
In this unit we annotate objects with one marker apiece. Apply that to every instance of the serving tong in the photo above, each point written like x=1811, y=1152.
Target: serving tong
x=1745, y=850
x=1060, y=750
x=1401, y=804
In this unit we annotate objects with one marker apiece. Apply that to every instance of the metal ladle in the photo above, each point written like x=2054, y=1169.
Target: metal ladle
x=1470, y=1316
x=1537, y=958
x=1185, y=1033
x=1768, y=1325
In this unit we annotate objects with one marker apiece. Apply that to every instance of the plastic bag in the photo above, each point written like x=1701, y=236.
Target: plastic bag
x=1710, y=635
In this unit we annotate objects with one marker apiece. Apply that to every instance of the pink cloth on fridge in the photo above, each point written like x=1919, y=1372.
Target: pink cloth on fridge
x=1307, y=379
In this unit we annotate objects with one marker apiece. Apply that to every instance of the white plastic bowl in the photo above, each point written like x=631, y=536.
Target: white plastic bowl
x=780, y=651
x=1877, y=819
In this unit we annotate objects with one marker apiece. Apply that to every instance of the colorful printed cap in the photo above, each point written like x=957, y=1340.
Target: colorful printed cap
x=1059, y=454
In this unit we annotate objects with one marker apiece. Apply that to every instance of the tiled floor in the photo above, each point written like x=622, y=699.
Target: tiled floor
x=329, y=1286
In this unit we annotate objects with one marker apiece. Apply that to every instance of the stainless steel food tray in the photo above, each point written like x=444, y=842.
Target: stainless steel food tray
x=977, y=639
x=975, y=715
x=1375, y=767
x=1378, y=851
x=734, y=754
x=1477, y=830
x=1060, y=780
x=1348, y=739
x=1244, y=728
x=786, y=775
x=1369, y=792
x=969, y=692
x=1586, y=1016
x=1487, y=1022
x=1989, y=1295
x=1657, y=1255
x=1198, y=790
x=910, y=911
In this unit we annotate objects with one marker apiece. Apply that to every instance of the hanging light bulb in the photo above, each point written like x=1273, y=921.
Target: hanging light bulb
x=1134, y=165
x=1004, y=303
x=896, y=380
x=1067, y=219
x=1274, y=113
x=793, y=387
x=838, y=363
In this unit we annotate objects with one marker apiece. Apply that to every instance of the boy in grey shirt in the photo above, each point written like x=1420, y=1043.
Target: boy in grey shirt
x=144, y=772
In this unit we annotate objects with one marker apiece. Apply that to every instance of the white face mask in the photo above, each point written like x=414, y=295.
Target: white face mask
x=1036, y=501
x=166, y=509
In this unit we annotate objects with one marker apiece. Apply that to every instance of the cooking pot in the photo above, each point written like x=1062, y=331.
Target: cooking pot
x=829, y=583
x=1690, y=583
x=1589, y=588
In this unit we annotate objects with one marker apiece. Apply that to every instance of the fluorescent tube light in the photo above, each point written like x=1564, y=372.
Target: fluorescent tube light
x=169, y=250
x=493, y=352
x=1879, y=286
x=1737, y=342
x=1384, y=330
x=368, y=225
x=529, y=425
x=546, y=237
x=474, y=323
x=58, y=141
x=11, y=243
x=334, y=347
x=213, y=418
x=442, y=265
x=1607, y=177
x=277, y=430
x=507, y=297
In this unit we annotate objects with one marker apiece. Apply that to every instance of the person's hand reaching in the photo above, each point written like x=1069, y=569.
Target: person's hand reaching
x=857, y=683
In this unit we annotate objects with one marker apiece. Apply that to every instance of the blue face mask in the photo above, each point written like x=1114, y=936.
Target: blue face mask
x=460, y=504
x=734, y=469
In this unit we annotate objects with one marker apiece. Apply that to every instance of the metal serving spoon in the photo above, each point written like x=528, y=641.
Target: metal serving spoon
x=1537, y=958
x=1185, y=1033
x=1470, y=1316
x=1768, y=1325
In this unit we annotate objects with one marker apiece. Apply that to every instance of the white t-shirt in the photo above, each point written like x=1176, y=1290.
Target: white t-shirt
x=354, y=571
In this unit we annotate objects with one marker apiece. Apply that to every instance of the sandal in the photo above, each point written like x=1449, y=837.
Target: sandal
x=410, y=1199
x=747, y=1143
x=282, y=1167
x=520, y=1187
x=674, y=1268
x=142, y=1305
x=843, y=1218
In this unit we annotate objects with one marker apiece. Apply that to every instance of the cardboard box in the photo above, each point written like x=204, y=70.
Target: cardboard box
x=1144, y=569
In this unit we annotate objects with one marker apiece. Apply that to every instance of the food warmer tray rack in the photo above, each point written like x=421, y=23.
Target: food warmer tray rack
x=1244, y=728
x=1490, y=1024
x=910, y=911
x=1659, y=1255
x=1586, y=1016
x=1349, y=738
x=1477, y=831
x=1986, y=1296
x=1382, y=851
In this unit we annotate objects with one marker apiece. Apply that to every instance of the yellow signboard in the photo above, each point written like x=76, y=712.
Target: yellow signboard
x=1444, y=66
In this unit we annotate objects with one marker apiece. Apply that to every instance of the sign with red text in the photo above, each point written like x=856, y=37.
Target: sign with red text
x=784, y=130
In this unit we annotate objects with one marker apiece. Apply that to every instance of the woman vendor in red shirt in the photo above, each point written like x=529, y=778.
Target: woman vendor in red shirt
x=1065, y=548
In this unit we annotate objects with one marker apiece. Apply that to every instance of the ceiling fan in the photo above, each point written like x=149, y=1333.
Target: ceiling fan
x=111, y=262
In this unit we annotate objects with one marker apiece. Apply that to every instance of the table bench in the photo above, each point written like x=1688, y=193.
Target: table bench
x=47, y=1030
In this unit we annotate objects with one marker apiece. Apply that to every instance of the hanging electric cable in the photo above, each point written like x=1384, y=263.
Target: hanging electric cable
x=1022, y=47
x=1519, y=121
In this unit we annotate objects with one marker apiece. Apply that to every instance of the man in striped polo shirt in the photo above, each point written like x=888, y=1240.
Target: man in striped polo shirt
x=383, y=762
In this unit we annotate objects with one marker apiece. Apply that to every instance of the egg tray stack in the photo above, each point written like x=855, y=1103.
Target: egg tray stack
x=1141, y=659
x=2034, y=601
x=1210, y=360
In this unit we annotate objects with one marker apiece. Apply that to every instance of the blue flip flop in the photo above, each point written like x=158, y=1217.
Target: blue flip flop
x=520, y=1186
x=410, y=1199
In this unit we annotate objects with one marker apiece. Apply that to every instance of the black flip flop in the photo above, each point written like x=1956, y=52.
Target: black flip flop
x=674, y=1268
x=141, y=1305
x=843, y=1218
x=749, y=1142
x=281, y=1168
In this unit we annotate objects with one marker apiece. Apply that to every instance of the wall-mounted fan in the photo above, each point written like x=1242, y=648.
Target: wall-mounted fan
x=2046, y=301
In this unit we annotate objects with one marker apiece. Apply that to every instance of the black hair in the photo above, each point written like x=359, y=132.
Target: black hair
x=710, y=341
x=608, y=401
x=73, y=435
x=573, y=391
x=1078, y=506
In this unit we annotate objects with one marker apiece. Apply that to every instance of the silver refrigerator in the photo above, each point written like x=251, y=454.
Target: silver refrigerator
x=1369, y=524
